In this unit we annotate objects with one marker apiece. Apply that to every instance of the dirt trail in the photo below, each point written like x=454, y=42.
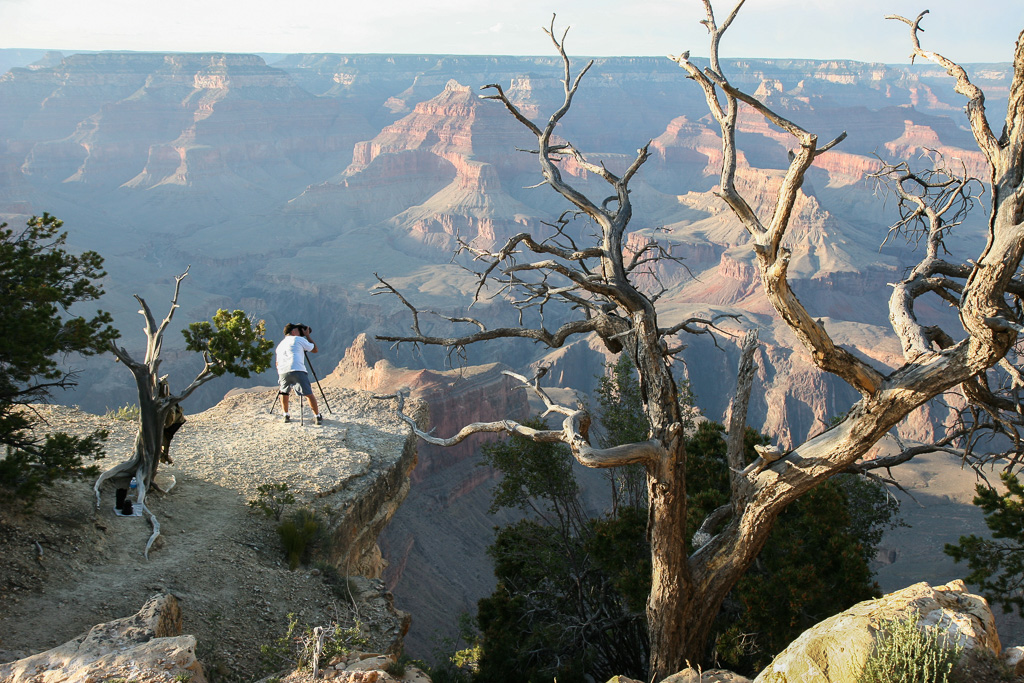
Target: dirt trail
x=219, y=558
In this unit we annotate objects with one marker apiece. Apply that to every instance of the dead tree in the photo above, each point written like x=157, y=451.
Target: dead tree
x=598, y=280
x=246, y=352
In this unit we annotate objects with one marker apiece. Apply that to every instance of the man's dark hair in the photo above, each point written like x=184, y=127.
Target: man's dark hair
x=290, y=327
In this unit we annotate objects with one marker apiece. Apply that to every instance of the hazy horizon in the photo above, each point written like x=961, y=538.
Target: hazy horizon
x=771, y=29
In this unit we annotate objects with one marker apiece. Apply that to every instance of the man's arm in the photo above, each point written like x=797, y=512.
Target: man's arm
x=310, y=340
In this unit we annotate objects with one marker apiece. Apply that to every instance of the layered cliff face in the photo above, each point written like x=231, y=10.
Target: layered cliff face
x=435, y=544
x=211, y=122
x=456, y=127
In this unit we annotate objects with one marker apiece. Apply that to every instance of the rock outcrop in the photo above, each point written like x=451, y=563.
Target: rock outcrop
x=692, y=675
x=356, y=465
x=221, y=558
x=835, y=651
x=453, y=398
x=147, y=647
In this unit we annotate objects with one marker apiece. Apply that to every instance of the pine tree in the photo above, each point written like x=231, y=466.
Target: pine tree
x=40, y=281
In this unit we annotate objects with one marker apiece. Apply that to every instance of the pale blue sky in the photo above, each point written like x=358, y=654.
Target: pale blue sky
x=766, y=28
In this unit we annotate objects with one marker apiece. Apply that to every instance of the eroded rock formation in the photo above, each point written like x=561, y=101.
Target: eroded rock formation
x=147, y=647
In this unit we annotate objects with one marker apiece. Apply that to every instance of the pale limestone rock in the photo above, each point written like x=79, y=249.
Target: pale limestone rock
x=146, y=647
x=835, y=650
x=371, y=662
x=374, y=676
x=358, y=667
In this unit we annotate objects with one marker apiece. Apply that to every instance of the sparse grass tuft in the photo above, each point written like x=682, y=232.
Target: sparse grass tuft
x=299, y=647
x=907, y=653
x=129, y=412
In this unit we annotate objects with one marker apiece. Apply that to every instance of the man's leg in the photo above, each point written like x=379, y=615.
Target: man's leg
x=306, y=389
x=284, y=388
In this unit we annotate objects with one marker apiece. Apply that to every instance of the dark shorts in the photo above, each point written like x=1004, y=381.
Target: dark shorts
x=297, y=379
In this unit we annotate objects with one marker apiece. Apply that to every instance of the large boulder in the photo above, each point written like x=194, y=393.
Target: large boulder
x=836, y=650
x=146, y=647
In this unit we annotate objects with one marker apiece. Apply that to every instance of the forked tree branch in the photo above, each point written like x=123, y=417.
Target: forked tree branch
x=772, y=257
x=574, y=432
x=607, y=326
x=930, y=203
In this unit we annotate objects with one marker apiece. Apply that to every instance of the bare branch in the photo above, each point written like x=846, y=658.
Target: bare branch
x=573, y=433
x=605, y=325
x=930, y=204
x=976, y=98
x=738, y=416
x=170, y=314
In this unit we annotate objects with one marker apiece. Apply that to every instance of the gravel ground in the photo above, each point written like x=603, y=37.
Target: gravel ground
x=68, y=565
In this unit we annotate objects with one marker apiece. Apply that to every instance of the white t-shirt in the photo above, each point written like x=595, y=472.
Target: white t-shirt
x=290, y=354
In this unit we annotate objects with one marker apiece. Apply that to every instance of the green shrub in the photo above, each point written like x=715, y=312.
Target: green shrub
x=297, y=647
x=129, y=412
x=303, y=531
x=297, y=535
x=277, y=654
x=272, y=499
x=44, y=461
x=40, y=282
x=337, y=642
x=906, y=653
x=997, y=560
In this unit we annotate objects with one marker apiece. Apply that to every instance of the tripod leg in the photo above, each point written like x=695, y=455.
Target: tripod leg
x=322, y=395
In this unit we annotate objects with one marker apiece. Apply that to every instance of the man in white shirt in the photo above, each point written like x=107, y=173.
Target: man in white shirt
x=291, y=367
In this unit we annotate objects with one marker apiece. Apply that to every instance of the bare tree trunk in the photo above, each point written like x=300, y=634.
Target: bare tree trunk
x=670, y=607
x=155, y=403
x=595, y=279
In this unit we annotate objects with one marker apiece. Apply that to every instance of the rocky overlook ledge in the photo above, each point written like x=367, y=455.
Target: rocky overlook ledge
x=68, y=565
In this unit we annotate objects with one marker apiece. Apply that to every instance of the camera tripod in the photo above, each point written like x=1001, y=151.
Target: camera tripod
x=302, y=406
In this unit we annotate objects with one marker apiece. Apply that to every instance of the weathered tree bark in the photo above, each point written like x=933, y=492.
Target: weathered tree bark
x=156, y=405
x=687, y=591
x=172, y=423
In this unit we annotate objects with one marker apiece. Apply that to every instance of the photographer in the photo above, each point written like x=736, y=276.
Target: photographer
x=291, y=367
